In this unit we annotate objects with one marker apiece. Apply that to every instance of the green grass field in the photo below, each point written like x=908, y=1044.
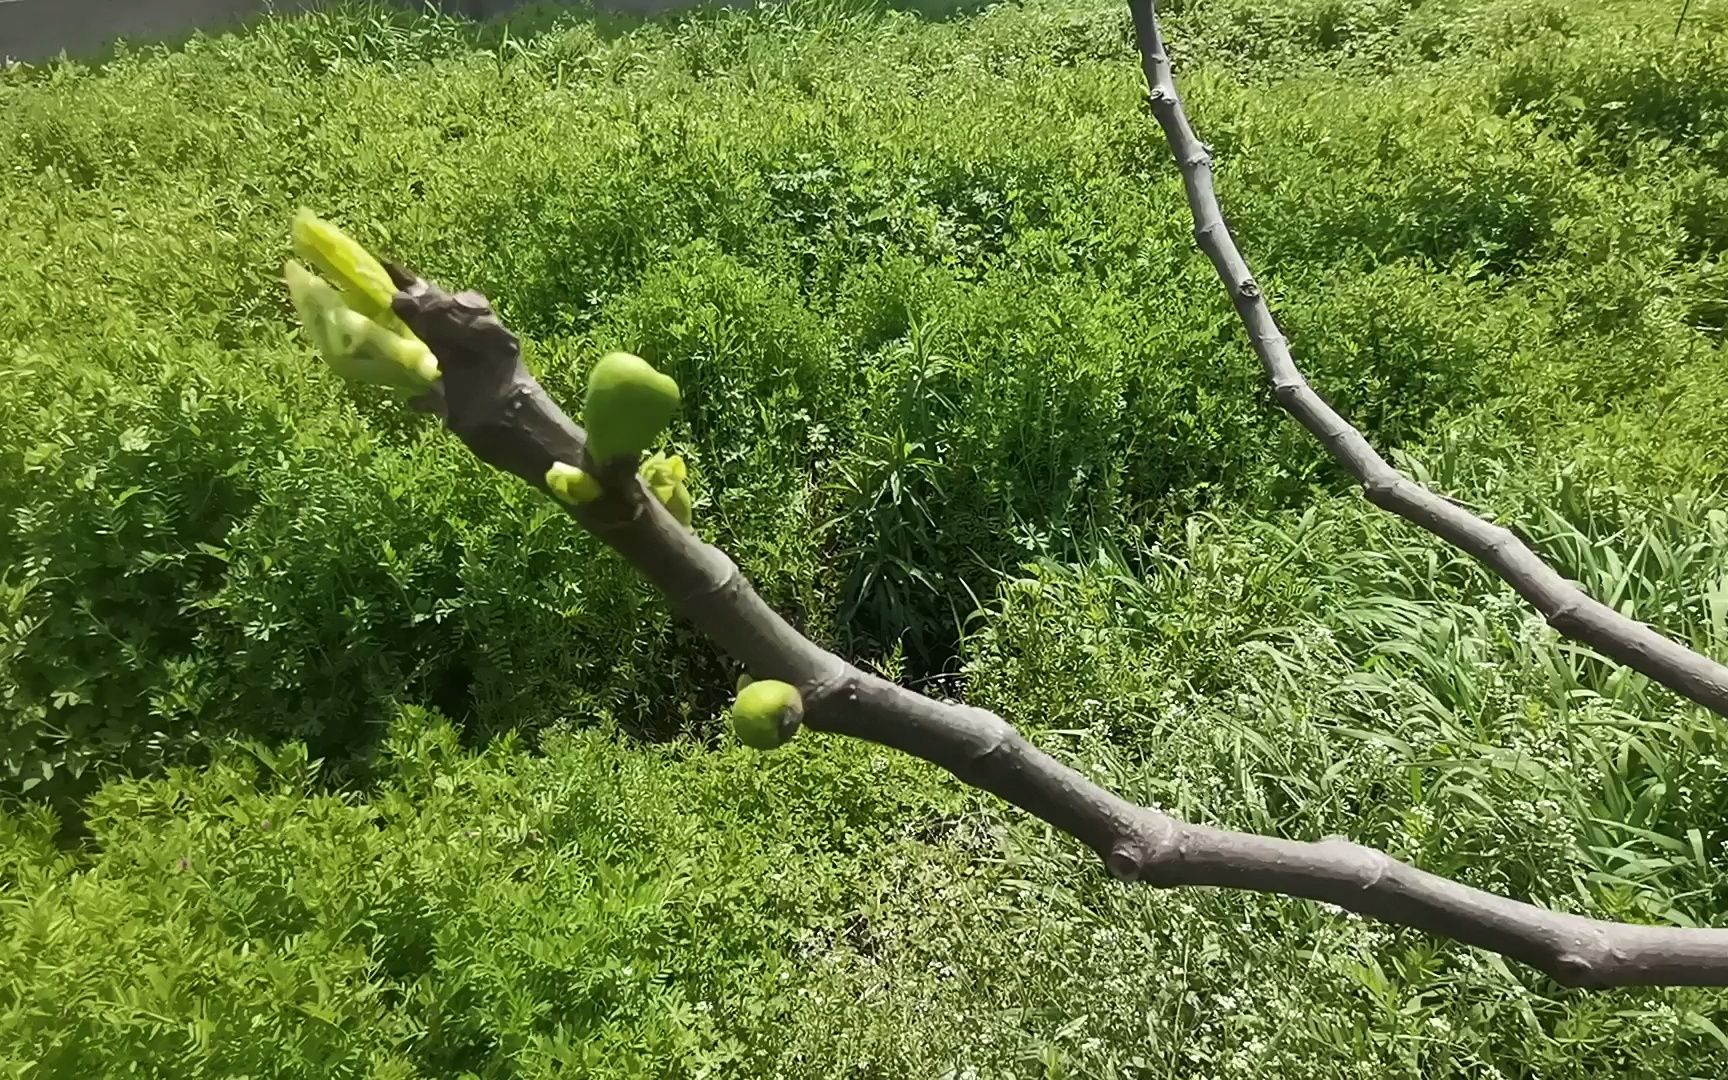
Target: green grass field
x=326, y=751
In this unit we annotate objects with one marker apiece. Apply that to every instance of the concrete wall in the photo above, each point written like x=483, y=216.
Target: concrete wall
x=38, y=29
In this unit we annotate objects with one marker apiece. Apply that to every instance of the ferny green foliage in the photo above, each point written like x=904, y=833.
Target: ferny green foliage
x=329, y=752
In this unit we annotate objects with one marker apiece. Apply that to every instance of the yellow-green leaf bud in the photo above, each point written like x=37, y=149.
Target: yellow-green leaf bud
x=571, y=485
x=363, y=351
x=665, y=477
x=313, y=298
x=362, y=279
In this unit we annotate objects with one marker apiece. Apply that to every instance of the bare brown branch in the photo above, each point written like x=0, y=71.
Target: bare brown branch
x=488, y=399
x=1568, y=609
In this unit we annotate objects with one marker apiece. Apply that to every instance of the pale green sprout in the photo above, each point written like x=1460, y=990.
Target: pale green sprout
x=665, y=476
x=351, y=324
x=362, y=279
x=571, y=485
x=767, y=713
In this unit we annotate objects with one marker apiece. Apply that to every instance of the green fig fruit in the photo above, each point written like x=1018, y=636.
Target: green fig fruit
x=571, y=485
x=362, y=279
x=767, y=713
x=629, y=404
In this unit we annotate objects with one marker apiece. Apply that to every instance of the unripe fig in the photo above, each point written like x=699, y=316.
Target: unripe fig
x=629, y=404
x=767, y=714
x=571, y=485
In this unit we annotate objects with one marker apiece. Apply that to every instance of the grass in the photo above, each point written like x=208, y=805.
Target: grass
x=327, y=752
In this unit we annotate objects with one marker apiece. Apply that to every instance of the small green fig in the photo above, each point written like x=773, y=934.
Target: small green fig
x=766, y=714
x=629, y=404
x=665, y=477
x=571, y=485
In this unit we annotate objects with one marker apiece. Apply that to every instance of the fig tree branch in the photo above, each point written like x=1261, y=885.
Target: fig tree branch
x=1568, y=609
x=486, y=397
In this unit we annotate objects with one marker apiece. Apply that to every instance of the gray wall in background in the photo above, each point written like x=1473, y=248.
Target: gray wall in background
x=39, y=29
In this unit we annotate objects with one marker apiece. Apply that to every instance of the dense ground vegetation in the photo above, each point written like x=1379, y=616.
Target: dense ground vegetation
x=331, y=753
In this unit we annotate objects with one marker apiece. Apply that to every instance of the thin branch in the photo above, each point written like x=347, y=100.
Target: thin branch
x=1568, y=609
x=488, y=399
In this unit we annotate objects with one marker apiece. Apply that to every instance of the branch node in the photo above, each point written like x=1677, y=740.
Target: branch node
x=729, y=585
x=1125, y=861
x=1380, y=488
x=1504, y=538
x=838, y=678
x=1574, y=969
x=1565, y=614
x=1368, y=866
x=1147, y=844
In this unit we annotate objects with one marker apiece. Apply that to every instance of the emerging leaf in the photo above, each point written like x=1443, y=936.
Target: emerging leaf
x=571, y=485
x=362, y=279
x=665, y=477
x=351, y=324
x=363, y=351
x=314, y=301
